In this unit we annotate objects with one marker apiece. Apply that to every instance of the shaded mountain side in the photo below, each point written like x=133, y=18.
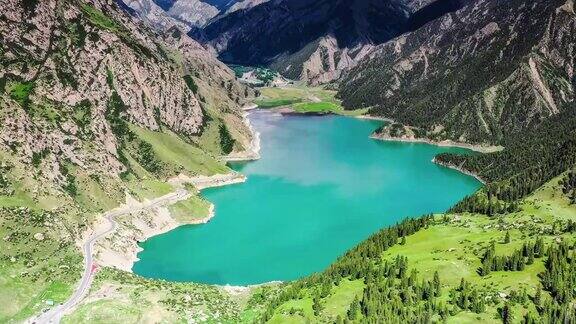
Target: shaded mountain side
x=222, y=5
x=478, y=75
x=165, y=4
x=432, y=12
x=77, y=75
x=311, y=40
x=253, y=37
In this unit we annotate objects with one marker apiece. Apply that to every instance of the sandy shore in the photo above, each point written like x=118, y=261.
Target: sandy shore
x=142, y=219
x=204, y=182
x=445, y=143
x=371, y=117
x=250, y=107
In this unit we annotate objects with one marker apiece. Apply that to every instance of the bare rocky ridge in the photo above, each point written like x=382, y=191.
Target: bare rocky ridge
x=183, y=14
x=479, y=75
x=74, y=72
x=244, y=5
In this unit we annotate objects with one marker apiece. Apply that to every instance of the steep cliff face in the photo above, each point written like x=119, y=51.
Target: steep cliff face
x=313, y=40
x=490, y=70
x=76, y=75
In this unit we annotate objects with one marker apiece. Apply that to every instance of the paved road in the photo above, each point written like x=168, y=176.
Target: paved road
x=55, y=314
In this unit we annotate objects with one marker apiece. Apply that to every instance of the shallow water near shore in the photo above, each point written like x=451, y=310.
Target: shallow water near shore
x=321, y=187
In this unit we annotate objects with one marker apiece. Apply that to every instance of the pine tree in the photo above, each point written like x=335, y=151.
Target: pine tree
x=353, y=310
x=316, y=305
x=436, y=284
x=538, y=296
x=506, y=314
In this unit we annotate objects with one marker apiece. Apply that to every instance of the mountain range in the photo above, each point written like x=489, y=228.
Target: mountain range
x=308, y=40
x=314, y=40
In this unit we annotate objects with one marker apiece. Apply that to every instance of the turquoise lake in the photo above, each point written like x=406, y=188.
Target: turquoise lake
x=321, y=187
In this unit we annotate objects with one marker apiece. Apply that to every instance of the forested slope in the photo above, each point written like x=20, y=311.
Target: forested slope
x=478, y=75
x=528, y=161
x=456, y=268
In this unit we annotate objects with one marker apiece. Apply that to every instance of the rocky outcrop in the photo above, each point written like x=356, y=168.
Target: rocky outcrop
x=75, y=73
x=479, y=75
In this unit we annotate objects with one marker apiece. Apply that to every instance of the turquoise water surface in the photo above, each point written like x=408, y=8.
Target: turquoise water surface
x=321, y=186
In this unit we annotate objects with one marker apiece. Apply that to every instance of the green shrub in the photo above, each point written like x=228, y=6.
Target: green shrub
x=191, y=84
x=21, y=93
x=147, y=157
x=226, y=140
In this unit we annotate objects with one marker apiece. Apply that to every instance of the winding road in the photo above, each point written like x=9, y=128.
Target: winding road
x=55, y=314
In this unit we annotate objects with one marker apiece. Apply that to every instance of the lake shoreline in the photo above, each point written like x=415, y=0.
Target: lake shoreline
x=205, y=182
x=459, y=169
x=161, y=220
x=252, y=152
x=445, y=143
x=372, y=117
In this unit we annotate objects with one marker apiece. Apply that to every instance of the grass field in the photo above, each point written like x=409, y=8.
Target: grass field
x=189, y=210
x=303, y=99
x=120, y=297
x=38, y=262
x=174, y=151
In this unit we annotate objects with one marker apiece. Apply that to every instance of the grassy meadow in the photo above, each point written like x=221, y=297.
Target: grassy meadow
x=303, y=99
x=453, y=247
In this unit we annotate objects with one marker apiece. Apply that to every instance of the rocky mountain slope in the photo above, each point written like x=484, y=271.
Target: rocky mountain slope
x=96, y=107
x=183, y=14
x=311, y=40
x=479, y=75
x=76, y=74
